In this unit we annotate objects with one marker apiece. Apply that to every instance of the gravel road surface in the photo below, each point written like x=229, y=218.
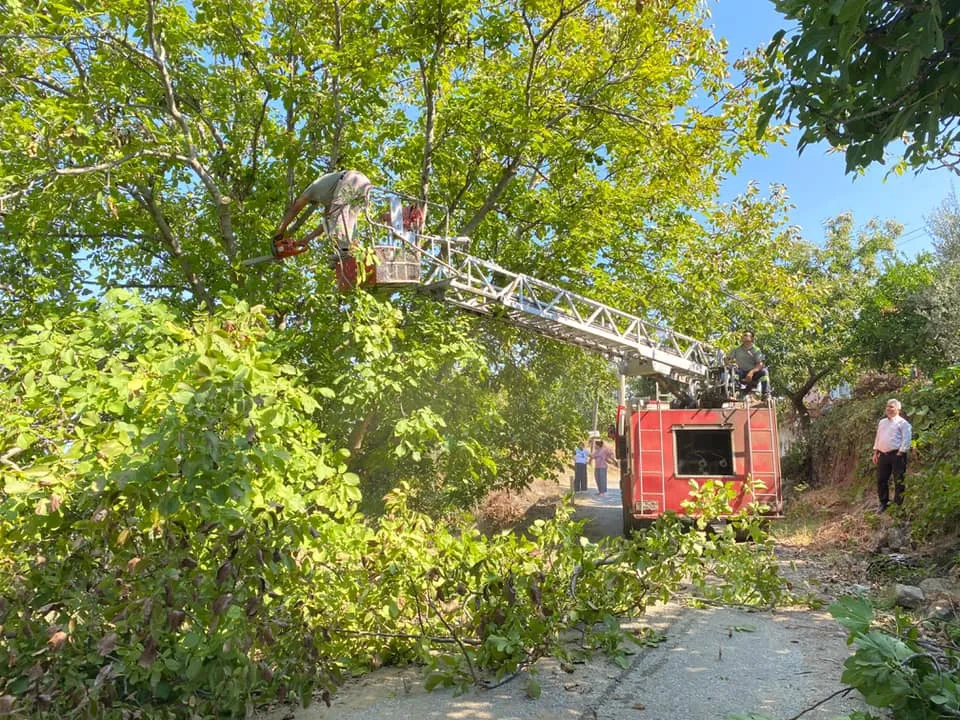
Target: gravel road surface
x=714, y=663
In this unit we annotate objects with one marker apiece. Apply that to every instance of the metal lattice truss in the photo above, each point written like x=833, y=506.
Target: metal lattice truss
x=480, y=286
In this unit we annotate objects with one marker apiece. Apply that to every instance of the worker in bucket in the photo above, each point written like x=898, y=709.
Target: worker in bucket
x=342, y=194
x=750, y=366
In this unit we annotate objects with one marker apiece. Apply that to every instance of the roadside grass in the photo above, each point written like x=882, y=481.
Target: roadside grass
x=839, y=516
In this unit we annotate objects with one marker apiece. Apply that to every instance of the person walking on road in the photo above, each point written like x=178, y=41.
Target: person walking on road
x=601, y=457
x=890, y=449
x=581, y=456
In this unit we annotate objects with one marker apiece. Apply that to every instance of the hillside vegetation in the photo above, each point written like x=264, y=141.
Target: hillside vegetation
x=837, y=448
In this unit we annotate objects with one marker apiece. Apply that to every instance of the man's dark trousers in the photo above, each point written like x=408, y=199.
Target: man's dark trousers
x=890, y=463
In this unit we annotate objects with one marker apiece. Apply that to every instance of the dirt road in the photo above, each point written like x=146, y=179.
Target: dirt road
x=604, y=514
x=714, y=663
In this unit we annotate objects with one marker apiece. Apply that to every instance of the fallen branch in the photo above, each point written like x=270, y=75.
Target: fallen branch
x=578, y=570
x=404, y=636
x=463, y=650
x=831, y=696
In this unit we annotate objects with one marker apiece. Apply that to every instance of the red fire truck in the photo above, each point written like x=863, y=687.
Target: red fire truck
x=661, y=448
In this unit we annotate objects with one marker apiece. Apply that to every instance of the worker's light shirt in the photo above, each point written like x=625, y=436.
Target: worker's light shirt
x=580, y=457
x=893, y=435
x=602, y=456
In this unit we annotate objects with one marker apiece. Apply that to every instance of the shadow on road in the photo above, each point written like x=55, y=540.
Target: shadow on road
x=603, y=513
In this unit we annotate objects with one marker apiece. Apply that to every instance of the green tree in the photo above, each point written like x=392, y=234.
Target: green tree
x=155, y=146
x=864, y=74
x=172, y=137
x=802, y=301
x=941, y=296
x=907, y=317
x=892, y=329
x=159, y=482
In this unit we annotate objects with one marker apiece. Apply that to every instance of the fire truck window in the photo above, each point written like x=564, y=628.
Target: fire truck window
x=704, y=452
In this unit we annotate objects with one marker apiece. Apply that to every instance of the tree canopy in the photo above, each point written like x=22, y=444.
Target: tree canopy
x=864, y=74
x=156, y=146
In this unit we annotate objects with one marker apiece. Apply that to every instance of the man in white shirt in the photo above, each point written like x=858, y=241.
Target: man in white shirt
x=580, y=458
x=890, y=449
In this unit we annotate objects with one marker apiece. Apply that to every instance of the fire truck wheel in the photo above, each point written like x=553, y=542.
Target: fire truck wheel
x=632, y=525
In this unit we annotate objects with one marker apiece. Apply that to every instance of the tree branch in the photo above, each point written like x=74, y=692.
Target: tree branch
x=49, y=84
x=404, y=636
x=111, y=164
x=133, y=285
x=430, y=112
x=222, y=202
x=831, y=696
x=509, y=172
x=463, y=649
x=145, y=196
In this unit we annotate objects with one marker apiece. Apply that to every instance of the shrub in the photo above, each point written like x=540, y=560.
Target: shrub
x=161, y=485
x=178, y=538
x=840, y=442
x=873, y=383
x=933, y=490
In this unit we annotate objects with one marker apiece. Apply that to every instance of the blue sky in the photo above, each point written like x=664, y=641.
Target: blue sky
x=815, y=181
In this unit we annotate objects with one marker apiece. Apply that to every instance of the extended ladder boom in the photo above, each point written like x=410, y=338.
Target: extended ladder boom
x=442, y=265
x=483, y=287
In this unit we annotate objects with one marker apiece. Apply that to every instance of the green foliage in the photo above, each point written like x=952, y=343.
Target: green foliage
x=161, y=486
x=711, y=504
x=508, y=601
x=795, y=464
x=940, y=297
x=933, y=500
x=841, y=440
x=891, y=331
x=863, y=74
x=173, y=136
x=426, y=396
x=908, y=318
x=806, y=330
x=178, y=536
x=897, y=672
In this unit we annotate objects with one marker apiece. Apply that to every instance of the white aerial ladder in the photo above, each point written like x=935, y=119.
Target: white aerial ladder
x=442, y=264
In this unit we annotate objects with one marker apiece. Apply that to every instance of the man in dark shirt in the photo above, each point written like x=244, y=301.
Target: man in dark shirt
x=750, y=366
